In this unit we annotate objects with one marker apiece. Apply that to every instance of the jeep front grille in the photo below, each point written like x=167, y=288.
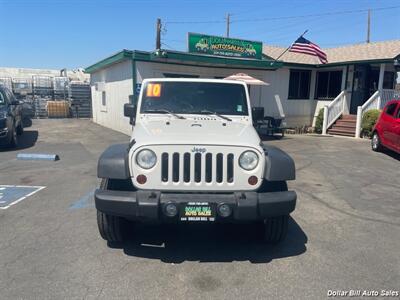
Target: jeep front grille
x=198, y=167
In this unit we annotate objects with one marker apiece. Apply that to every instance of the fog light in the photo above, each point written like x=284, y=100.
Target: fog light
x=224, y=210
x=141, y=179
x=170, y=210
x=253, y=180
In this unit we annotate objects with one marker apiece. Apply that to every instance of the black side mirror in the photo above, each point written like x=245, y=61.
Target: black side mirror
x=130, y=112
x=257, y=113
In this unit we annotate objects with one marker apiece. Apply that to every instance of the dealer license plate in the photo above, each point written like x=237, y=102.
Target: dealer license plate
x=197, y=212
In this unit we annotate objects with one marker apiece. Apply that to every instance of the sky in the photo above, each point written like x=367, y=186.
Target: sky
x=60, y=34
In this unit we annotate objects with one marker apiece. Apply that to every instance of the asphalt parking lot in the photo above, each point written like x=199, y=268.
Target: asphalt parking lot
x=343, y=235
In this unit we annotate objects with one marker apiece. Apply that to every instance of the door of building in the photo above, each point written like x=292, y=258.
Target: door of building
x=365, y=83
x=360, y=89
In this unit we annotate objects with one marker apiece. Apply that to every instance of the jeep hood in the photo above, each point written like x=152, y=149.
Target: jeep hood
x=193, y=132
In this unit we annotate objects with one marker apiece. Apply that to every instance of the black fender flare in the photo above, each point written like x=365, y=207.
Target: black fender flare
x=279, y=166
x=114, y=162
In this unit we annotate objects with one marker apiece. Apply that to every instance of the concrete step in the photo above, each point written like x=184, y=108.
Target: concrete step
x=349, y=117
x=344, y=125
x=348, y=122
x=341, y=132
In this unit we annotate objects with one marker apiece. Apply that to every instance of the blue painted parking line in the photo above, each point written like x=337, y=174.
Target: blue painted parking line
x=85, y=201
x=12, y=194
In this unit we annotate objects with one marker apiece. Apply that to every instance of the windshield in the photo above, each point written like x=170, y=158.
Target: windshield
x=194, y=98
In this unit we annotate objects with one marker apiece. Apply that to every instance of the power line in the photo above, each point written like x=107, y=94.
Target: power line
x=281, y=17
x=258, y=9
x=168, y=46
x=175, y=41
x=195, y=22
x=313, y=15
x=277, y=29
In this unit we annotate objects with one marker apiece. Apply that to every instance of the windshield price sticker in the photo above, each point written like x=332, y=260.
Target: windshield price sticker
x=153, y=90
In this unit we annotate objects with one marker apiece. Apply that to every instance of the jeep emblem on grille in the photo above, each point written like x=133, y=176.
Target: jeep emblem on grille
x=199, y=150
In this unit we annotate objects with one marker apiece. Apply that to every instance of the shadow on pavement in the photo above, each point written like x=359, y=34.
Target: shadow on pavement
x=392, y=154
x=266, y=138
x=176, y=243
x=26, y=140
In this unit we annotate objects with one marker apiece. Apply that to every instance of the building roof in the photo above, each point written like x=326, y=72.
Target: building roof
x=185, y=58
x=377, y=51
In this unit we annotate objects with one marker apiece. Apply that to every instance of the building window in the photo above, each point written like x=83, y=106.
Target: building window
x=299, y=84
x=103, y=101
x=103, y=98
x=174, y=75
x=329, y=84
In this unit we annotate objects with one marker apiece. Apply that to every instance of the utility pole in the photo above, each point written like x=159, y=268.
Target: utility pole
x=158, y=34
x=228, y=16
x=369, y=26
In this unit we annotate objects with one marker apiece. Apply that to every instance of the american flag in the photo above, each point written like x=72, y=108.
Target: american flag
x=302, y=45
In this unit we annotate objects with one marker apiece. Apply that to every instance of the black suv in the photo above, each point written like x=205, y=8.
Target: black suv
x=10, y=118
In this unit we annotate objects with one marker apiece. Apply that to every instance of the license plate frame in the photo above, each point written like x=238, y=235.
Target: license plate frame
x=195, y=211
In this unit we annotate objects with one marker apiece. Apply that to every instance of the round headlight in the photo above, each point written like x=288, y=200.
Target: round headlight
x=146, y=159
x=248, y=160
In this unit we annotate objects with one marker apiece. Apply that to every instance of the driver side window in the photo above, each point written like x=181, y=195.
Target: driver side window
x=3, y=99
x=10, y=96
x=391, y=109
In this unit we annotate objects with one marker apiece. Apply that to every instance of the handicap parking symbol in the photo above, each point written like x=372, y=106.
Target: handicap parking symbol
x=12, y=194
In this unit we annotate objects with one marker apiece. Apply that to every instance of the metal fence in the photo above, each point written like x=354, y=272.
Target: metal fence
x=36, y=91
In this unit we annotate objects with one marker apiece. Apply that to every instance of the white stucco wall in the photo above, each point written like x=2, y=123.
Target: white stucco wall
x=117, y=87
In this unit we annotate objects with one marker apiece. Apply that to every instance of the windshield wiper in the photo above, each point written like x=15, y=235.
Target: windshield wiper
x=163, y=111
x=217, y=114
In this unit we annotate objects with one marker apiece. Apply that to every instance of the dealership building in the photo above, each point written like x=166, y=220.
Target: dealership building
x=299, y=85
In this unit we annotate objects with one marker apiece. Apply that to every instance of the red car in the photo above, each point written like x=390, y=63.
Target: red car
x=386, y=133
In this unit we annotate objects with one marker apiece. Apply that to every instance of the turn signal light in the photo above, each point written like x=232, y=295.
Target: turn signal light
x=253, y=180
x=141, y=179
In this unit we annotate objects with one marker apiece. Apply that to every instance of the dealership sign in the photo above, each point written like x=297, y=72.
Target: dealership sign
x=214, y=45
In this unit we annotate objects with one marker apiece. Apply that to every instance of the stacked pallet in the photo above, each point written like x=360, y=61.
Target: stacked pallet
x=81, y=99
x=60, y=86
x=40, y=106
x=58, y=109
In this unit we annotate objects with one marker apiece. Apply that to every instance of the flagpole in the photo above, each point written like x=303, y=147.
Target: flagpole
x=286, y=50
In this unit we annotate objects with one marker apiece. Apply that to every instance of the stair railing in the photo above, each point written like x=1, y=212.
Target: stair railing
x=388, y=95
x=377, y=101
x=374, y=102
x=334, y=110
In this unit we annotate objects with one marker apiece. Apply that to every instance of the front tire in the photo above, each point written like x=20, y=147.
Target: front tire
x=376, y=142
x=111, y=228
x=275, y=229
x=20, y=129
x=13, y=138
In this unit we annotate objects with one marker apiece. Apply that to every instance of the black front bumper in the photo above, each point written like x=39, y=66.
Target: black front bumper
x=149, y=205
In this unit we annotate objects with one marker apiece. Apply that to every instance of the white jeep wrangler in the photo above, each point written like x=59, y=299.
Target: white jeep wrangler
x=194, y=156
